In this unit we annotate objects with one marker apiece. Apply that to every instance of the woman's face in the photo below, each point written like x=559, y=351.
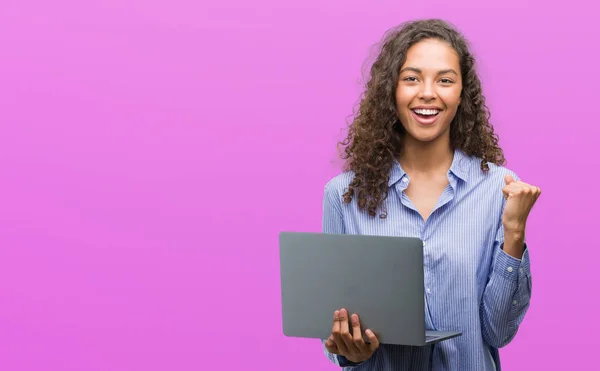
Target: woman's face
x=428, y=90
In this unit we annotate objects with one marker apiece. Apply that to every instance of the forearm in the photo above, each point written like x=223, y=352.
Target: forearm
x=514, y=242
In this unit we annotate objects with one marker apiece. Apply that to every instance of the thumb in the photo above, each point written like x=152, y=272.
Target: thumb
x=508, y=179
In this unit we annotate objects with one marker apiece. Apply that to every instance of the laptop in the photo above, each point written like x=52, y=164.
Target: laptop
x=380, y=278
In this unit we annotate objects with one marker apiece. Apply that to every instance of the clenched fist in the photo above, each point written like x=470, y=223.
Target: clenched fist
x=520, y=198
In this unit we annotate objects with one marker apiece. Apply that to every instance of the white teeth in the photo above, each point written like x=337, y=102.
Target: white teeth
x=427, y=111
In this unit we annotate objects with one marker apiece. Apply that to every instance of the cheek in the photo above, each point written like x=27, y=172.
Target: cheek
x=452, y=100
x=403, y=99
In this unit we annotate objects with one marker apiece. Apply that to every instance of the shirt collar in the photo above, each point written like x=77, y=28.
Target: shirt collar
x=459, y=167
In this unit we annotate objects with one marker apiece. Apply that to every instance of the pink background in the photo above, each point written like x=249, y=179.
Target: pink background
x=151, y=151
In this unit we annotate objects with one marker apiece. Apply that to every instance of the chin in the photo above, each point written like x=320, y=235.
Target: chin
x=426, y=139
x=425, y=135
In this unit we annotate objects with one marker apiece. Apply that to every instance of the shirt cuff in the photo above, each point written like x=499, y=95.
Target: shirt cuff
x=344, y=362
x=510, y=267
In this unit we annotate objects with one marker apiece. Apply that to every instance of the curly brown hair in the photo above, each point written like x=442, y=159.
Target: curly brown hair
x=375, y=134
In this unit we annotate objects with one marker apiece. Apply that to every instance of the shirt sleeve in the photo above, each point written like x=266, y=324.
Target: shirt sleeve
x=507, y=294
x=333, y=223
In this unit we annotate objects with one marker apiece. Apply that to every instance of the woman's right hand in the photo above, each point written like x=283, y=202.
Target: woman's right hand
x=351, y=346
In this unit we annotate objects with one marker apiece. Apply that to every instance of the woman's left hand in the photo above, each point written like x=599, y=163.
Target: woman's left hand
x=520, y=198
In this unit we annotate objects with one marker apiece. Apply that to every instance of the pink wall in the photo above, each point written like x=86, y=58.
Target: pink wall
x=150, y=152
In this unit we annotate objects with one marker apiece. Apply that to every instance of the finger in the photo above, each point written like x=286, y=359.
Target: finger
x=517, y=189
x=505, y=192
x=345, y=331
x=336, y=332
x=509, y=191
x=508, y=179
x=336, y=322
x=517, y=182
x=510, y=188
x=357, y=334
x=515, y=186
x=331, y=346
x=527, y=190
x=373, y=341
x=534, y=195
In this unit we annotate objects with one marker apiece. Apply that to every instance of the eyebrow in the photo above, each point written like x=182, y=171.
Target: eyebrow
x=417, y=70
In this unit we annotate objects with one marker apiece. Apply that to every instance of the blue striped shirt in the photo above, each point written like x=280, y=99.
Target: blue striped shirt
x=471, y=284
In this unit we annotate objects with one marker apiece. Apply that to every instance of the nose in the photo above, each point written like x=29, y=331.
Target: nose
x=427, y=92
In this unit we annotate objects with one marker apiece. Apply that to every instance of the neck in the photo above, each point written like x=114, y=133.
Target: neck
x=426, y=157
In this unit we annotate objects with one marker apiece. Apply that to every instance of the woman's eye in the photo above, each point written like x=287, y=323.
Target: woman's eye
x=446, y=81
x=411, y=78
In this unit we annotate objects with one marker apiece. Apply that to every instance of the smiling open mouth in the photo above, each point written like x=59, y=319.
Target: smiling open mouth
x=425, y=116
x=426, y=113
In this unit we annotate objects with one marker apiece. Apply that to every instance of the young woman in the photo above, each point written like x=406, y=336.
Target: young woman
x=422, y=160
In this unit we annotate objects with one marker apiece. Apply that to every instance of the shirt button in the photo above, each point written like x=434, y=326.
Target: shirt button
x=429, y=291
x=404, y=180
x=514, y=302
x=510, y=269
x=521, y=270
x=424, y=243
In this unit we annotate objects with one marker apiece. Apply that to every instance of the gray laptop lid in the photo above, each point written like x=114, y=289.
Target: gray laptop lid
x=378, y=277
